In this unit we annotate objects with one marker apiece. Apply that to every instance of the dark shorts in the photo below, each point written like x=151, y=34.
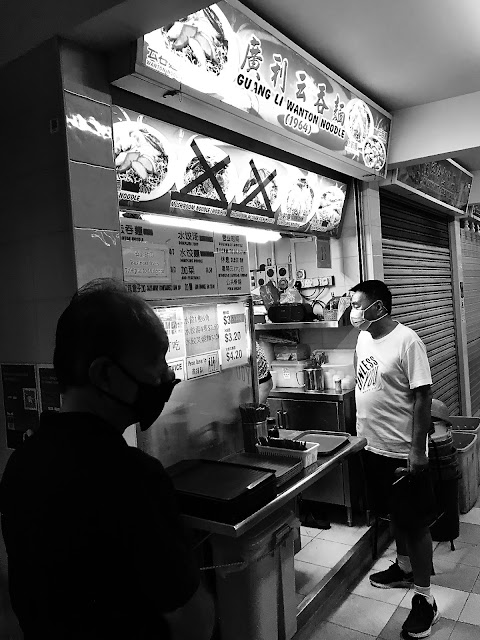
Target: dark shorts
x=409, y=503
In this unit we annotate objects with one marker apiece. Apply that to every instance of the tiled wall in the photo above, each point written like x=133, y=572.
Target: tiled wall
x=36, y=251
x=91, y=165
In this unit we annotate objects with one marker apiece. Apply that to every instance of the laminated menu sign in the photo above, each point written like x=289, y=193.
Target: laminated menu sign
x=172, y=320
x=201, y=329
x=178, y=367
x=189, y=254
x=162, y=168
x=225, y=54
x=203, y=365
x=233, y=273
x=233, y=335
x=20, y=401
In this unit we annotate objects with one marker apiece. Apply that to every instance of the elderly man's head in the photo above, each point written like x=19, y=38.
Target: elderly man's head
x=110, y=353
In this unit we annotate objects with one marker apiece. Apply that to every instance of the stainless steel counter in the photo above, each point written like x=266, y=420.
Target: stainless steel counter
x=289, y=491
x=301, y=394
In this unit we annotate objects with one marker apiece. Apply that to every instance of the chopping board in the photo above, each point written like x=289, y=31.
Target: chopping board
x=284, y=468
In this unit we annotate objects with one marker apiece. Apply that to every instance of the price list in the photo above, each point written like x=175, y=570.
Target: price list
x=234, y=350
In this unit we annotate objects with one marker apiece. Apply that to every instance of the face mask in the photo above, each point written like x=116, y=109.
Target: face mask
x=150, y=399
x=357, y=318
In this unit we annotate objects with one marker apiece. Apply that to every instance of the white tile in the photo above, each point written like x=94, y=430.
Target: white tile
x=449, y=601
x=342, y=533
x=392, y=596
x=307, y=576
x=469, y=533
x=323, y=552
x=393, y=630
x=471, y=611
x=363, y=614
x=309, y=531
x=330, y=631
x=459, y=576
x=472, y=517
x=463, y=631
x=305, y=540
x=464, y=553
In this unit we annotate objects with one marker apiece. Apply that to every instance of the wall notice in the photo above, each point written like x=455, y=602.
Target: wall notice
x=20, y=401
x=233, y=335
x=50, y=398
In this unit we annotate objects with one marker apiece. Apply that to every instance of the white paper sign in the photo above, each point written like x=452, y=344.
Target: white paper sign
x=230, y=242
x=202, y=365
x=233, y=335
x=232, y=272
x=172, y=320
x=178, y=367
x=145, y=261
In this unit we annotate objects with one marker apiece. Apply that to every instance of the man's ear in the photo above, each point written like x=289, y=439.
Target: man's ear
x=99, y=372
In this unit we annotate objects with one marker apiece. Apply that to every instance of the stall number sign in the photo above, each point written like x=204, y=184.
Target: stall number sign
x=173, y=323
x=202, y=365
x=233, y=335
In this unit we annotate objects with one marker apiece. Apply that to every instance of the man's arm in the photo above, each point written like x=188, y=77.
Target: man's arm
x=417, y=459
x=195, y=620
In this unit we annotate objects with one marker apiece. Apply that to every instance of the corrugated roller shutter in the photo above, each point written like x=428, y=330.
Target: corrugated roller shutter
x=417, y=266
x=470, y=240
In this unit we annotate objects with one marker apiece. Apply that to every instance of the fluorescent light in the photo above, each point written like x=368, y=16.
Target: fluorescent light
x=252, y=234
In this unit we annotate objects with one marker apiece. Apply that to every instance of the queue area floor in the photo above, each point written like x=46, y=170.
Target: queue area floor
x=367, y=612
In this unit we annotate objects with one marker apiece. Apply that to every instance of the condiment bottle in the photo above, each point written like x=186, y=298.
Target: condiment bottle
x=337, y=384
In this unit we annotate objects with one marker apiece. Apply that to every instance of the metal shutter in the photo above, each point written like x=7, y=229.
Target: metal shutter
x=417, y=267
x=470, y=240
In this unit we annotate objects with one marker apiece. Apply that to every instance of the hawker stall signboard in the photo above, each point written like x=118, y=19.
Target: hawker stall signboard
x=443, y=180
x=227, y=53
x=162, y=168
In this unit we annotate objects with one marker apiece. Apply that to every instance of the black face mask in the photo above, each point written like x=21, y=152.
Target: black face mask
x=150, y=400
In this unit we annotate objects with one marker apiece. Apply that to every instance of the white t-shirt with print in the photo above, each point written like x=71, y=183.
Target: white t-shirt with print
x=388, y=369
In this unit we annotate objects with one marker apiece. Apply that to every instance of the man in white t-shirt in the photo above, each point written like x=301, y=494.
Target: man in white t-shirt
x=393, y=401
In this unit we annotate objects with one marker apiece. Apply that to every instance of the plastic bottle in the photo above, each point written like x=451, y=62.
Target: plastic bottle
x=337, y=384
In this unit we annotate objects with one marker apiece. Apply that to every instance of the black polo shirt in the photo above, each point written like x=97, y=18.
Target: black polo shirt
x=96, y=548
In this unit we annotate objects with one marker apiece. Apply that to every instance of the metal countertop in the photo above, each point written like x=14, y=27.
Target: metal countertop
x=288, y=491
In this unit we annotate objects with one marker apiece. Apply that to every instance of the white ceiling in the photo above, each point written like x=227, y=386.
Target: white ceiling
x=400, y=53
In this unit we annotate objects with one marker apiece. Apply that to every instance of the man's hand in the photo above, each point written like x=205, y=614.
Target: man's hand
x=417, y=461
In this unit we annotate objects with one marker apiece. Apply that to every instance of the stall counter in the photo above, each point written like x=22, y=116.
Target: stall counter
x=288, y=492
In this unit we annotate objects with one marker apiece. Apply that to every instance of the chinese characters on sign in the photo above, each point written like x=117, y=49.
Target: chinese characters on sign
x=213, y=180
x=233, y=335
x=201, y=329
x=236, y=61
x=233, y=273
x=191, y=260
x=50, y=398
x=172, y=320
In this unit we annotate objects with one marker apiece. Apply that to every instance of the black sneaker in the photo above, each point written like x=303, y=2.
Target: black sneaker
x=421, y=618
x=392, y=578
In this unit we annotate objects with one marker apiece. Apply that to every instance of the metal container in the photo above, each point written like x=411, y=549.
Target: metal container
x=313, y=379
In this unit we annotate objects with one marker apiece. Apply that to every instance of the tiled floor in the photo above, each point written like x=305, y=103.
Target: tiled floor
x=368, y=613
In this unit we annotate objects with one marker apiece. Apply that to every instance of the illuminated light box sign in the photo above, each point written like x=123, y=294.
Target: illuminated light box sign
x=223, y=53
x=162, y=168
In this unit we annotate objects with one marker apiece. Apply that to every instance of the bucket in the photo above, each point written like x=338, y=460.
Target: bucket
x=466, y=446
x=445, y=474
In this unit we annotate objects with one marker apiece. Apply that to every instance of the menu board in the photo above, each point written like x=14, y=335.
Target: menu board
x=20, y=401
x=224, y=54
x=162, y=168
x=195, y=268
x=233, y=335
